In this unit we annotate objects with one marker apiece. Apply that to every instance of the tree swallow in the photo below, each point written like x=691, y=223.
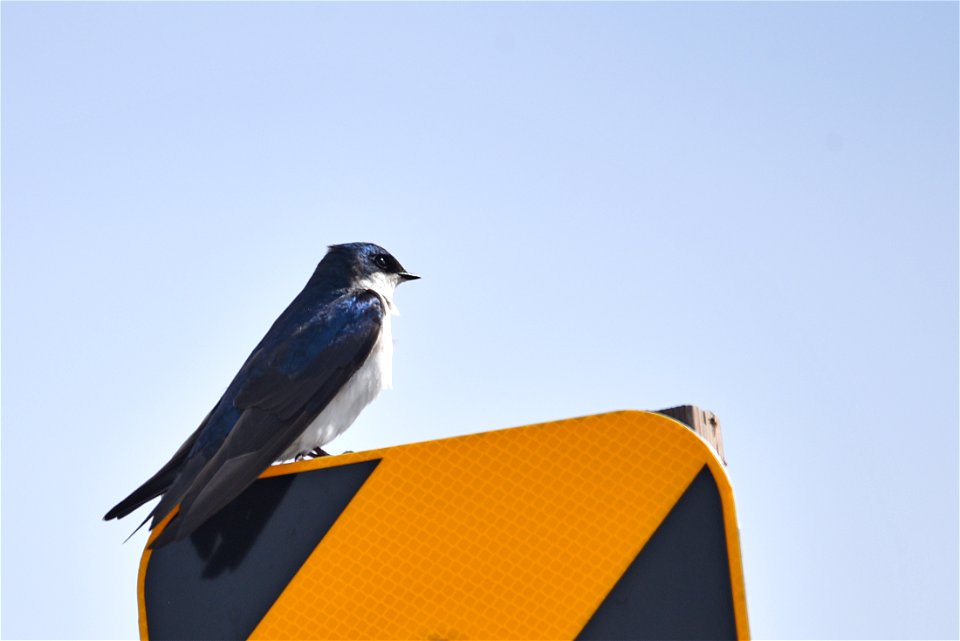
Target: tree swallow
x=324, y=359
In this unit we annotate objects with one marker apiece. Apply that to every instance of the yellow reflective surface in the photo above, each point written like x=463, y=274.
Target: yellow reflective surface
x=516, y=533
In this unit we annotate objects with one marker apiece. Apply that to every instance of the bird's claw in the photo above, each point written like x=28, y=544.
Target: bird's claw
x=316, y=452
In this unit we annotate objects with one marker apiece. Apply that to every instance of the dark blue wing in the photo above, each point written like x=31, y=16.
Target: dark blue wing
x=297, y=369
x=304, y=371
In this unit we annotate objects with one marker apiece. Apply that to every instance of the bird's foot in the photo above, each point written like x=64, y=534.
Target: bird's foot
x=316, y=452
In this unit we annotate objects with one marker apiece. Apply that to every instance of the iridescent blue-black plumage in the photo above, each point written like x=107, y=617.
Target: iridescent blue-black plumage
x=306, y=357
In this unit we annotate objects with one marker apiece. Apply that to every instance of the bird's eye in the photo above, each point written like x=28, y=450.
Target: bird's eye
x=381, y=261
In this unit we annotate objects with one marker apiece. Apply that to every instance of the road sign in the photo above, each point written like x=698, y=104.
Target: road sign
x=618, y=525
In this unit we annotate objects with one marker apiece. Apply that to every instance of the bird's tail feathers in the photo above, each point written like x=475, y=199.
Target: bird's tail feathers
x=159, y=482
x=137, y=529
x=152, y=488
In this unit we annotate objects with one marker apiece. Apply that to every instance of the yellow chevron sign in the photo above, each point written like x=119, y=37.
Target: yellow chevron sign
x=618, y=525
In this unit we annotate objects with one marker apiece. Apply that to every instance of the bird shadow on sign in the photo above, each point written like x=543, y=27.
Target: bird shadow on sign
x=225, y=539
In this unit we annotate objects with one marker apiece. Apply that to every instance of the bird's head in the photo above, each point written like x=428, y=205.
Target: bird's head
x=366, y=266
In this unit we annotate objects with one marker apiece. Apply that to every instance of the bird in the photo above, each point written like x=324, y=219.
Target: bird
x=324, y=359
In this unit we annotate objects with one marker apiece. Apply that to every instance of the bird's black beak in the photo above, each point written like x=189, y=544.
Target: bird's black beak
x=405, y=276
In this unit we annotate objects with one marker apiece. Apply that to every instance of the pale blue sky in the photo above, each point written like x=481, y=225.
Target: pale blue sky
x=749, y=207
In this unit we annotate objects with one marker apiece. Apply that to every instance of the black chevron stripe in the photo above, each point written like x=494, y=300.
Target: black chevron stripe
x=678, y=586
x=220, y=582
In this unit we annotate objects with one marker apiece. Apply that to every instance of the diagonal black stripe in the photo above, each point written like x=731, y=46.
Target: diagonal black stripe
x=224, y=579
x=678, y=586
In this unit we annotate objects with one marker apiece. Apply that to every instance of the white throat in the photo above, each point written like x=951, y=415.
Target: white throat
x=384, y=285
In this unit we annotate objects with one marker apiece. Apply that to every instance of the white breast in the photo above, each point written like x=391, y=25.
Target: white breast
x=375, y=374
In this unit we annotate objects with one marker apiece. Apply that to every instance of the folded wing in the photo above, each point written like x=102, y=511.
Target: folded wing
x=285, y=383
